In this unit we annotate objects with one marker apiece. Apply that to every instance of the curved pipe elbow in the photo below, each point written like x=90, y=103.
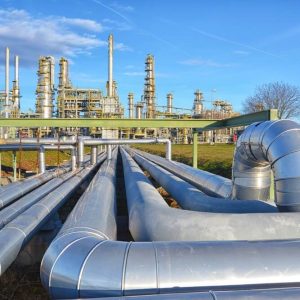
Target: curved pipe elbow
x=266, y=146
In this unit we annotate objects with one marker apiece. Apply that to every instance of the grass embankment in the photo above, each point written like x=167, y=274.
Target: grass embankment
x=29, y=161
x=212, y=158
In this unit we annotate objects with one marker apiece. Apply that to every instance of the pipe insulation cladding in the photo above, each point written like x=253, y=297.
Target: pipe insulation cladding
x=84, y=261
x=266, y=146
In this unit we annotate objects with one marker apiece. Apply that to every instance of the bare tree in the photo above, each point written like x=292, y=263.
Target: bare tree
x=282, y=96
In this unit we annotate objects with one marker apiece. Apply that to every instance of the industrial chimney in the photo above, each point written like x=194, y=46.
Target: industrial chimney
x=169, y=103
x=6, y=107
x=110, y=66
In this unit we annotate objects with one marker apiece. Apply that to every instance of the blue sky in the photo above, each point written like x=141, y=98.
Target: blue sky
x=227, y=46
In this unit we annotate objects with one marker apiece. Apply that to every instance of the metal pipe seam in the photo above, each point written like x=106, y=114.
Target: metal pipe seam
x=151, y=219
x=83, y=263
x=92, y=221
x=257, y=294
x=190, y=198
x=10, y=194
x=21, y=229
x=210, y=184
x=9, y=213
x=264, y=146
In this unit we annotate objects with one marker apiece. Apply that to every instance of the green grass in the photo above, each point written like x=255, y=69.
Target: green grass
x=213, y=158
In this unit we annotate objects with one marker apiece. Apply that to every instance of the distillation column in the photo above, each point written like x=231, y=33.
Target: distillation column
x=149, y=90
x=45, y=88
x=16, y=90
x=169, y=103
x=130, y=105
x=198, y=103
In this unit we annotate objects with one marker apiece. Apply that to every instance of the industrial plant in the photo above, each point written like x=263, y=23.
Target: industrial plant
x=113, y=221
x=67, y=101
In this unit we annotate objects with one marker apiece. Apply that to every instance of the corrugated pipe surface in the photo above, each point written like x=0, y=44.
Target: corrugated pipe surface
x=264, y=146
x=83, y=261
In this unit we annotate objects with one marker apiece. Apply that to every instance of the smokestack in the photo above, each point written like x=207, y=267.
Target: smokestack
x=6, y=82
x=110, y=66
x=130, y=105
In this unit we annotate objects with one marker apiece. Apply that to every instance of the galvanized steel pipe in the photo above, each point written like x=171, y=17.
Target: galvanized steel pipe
x=190, y=198
x=264, y=146
x=9, y=213
x=151, y=219
x=211, y=184
x=15, y=234
x=82, y=262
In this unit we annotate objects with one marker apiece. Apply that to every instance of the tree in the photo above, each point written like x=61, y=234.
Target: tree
x=279, y=95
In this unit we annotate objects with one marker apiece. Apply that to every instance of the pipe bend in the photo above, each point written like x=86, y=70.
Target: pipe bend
x=262, y=148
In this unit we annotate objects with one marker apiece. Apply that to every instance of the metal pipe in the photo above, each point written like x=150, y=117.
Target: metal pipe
x=190, y=198
x=211, y=184
x=9, y=195
x=42, y=160
x=83, y=261
x=20, y=230
x=109, y=152
x=151, y=219
x=44, y=141
x=9, y=213
x=95, y=142
x=94, y=154
x=266, y=145
x=7, y=82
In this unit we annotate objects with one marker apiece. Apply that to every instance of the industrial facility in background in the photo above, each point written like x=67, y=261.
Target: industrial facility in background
x=77, y=102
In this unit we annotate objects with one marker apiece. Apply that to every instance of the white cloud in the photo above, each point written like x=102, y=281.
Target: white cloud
x=87, y=24
x=204, y=62
x=31, y=37
x=118, y=6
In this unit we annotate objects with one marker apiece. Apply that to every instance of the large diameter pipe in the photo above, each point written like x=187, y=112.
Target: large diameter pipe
x=12, y=211
x=82, y=262
x=151, y=219
x=211, y=184
x=94, y=154
x=264, y=145
x=20, y=230
x=190, y=198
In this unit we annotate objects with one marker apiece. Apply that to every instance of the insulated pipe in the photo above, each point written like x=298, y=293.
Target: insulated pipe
x=110, y=66
x=82, y=262
x=257, y=294
x=9, y=213
x=44, y=141
x=11, y=194
x=95, y=142
x=109, y=152
x=56, y=147
x=211, y=184
x=94, y=154
x=151, y=219
x=190, y=198
x=266, y=145
x=19, y=231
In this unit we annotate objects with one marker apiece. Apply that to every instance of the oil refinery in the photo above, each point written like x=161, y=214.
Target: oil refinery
x=67, y=101
x=113, y=221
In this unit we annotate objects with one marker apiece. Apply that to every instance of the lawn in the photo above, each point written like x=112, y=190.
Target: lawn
x=213, y=158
